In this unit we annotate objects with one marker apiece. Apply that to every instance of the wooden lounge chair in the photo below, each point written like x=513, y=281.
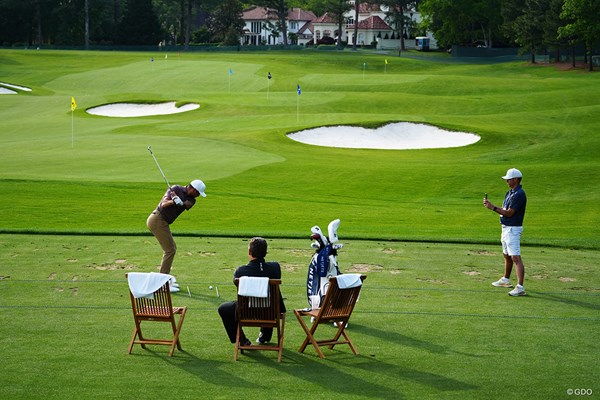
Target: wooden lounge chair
x=157, y=309
x=336, y=308
x=261, y=312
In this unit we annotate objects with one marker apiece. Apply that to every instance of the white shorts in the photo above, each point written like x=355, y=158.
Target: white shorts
x=511, y=240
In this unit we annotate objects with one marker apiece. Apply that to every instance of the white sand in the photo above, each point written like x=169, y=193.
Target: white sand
x=140, y=110
x=397, y=136
x=4, y=90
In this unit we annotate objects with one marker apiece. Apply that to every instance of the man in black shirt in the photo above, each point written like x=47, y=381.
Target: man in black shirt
x=256, y=267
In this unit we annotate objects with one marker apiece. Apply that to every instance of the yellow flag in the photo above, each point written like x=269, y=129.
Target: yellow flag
x=386, y=63
x=73, y=104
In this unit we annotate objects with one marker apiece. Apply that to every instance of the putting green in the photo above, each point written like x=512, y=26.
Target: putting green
x=124, y=158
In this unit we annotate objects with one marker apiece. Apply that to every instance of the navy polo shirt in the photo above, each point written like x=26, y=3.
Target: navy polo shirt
x=515, y=199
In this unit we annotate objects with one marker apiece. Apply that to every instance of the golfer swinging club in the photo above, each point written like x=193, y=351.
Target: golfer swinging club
x=176, y=200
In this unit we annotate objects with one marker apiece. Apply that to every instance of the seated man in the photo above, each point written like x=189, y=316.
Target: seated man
x=257, y=267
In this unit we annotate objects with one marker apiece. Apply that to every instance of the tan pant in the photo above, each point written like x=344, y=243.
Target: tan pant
x=161, y=230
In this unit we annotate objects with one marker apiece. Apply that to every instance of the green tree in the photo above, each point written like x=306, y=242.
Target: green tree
x=140, y=24
x=585, y=25
x=168, y=14
x=225, y=22
x=337, y=10
x=524, y=22
x=396, y=16
x=462, y=21
x=316, y=6
x=552, y=22
x=281, y=9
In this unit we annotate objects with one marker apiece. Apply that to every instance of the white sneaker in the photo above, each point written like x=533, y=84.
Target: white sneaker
x=502, y=282
x=174, y=289
x=336, y=324
x=518, y=291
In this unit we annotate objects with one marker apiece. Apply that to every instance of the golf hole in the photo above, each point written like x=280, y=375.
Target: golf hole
x=125, y=110
x=396, y=136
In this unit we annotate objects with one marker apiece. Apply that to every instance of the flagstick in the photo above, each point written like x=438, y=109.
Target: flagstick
x=268, y=86
x=72, y=130
x=298, y=108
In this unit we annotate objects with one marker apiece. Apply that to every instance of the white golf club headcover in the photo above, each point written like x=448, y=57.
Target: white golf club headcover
x=332, y=229
x=317, y=231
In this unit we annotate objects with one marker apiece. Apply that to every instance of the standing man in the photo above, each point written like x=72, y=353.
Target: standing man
x=257, y=267
x=176, y=200
x=511, y=218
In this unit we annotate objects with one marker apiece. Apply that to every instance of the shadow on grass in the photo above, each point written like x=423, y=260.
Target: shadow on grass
x=403, y=340
x=567, y=299
x=398, y=373
x=209, y=371
x=338, y=381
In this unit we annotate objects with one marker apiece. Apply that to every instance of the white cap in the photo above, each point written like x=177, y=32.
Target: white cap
x=513, y=173
x=199, y=186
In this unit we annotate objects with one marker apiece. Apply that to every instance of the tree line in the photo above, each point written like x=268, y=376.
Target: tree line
x=533, y=25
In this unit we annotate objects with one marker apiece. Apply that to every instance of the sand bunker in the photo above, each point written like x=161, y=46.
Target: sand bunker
x=4, y=88
x=140, y=110
x=396, y=136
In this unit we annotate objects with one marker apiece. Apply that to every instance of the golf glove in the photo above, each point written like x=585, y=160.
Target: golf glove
x=177, y=200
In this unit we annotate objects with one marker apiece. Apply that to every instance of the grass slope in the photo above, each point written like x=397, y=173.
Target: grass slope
x=540, y=120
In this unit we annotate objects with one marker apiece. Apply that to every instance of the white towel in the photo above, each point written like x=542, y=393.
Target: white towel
x=144, y=284
x=253, y=287
x=347, y=281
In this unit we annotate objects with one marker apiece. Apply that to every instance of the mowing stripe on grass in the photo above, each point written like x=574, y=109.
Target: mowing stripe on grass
x=378, y=288
x=429, y=314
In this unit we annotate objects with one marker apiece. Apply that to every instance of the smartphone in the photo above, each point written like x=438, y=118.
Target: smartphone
x=485, y=197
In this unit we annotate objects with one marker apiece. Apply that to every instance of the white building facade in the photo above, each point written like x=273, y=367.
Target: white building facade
x=261, y=26
x=305, y=28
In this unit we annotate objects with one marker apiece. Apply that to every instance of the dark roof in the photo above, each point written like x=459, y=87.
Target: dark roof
x=372, y=23
x=306, y=27
x=298, y=14
x=324, y=19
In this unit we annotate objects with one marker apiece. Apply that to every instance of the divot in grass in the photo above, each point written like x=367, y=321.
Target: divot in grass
x=364, y=268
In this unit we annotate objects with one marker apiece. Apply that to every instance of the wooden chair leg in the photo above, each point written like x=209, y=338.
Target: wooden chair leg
x=135, y=332
x=309, y=336
x=237, y=343
x=280, y=336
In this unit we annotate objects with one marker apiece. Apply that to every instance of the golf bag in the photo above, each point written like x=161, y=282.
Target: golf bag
x=323, y=263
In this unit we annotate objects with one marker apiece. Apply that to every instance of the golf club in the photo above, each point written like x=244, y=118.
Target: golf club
x=159, y=168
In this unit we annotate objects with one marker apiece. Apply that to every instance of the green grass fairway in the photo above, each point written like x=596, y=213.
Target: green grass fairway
x=540, y=120
x=76, y=190
x=428, y=324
